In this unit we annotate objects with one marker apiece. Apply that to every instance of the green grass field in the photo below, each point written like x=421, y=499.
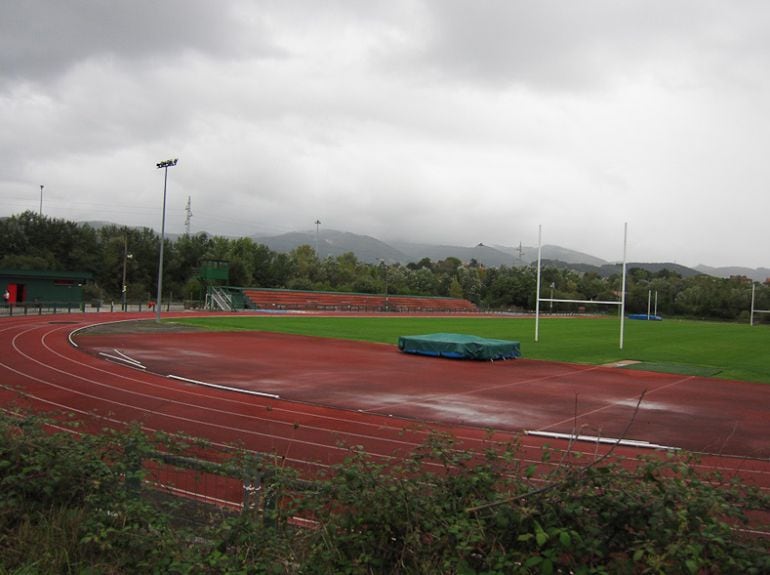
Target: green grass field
x=730, y=351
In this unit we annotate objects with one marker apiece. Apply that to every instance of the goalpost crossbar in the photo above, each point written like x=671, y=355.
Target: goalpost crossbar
x=580, y=301
x=620, y=303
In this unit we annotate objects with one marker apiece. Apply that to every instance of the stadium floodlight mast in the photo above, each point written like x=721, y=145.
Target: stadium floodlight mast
x=165, y=165
x=41, y=200
x=384, y=266
x=126, y=256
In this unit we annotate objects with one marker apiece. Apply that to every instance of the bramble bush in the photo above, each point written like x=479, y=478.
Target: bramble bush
x=72, y=503
x=485, y=517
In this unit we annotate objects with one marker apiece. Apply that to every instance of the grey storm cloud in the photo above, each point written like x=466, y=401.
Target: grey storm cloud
x=40, y=39
x=441, y=121
x=553, y=44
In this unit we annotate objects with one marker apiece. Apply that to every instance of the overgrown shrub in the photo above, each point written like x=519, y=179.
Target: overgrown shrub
x=72, y=503
x=482, y=516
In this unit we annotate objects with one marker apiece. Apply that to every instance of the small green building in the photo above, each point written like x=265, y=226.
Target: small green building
x=214, y=271
x=29, y=287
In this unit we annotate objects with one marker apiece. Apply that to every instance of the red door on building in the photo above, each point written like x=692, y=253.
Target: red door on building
x=15, y=293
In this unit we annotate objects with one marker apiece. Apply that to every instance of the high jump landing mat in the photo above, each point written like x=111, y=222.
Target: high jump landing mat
x=459, y=346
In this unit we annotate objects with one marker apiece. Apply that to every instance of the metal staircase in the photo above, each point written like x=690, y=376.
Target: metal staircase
x=220, y=299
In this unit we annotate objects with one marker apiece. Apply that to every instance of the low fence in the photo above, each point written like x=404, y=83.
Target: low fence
x=41, y=308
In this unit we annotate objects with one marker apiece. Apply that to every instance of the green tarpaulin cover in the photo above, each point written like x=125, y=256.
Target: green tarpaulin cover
x=456, y=345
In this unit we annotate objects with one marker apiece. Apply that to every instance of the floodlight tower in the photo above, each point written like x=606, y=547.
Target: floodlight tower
x=384, y=266
x=41, y=200
x=126, y=257
x=317, y=254
x=166, y=164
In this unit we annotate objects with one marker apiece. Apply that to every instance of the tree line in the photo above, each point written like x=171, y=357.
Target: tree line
x=29, y=241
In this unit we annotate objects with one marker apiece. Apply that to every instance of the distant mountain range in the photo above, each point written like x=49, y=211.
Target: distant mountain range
x=371, y=250
x=757, y=274
x=368, y=249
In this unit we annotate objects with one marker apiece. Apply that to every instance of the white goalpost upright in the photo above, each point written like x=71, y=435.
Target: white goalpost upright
x=753, y=309
x=621, y=303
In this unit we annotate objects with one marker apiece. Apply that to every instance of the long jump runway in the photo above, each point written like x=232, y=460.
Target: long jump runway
x=308, y=399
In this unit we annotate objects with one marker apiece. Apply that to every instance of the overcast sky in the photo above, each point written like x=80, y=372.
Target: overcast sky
x=440, y=121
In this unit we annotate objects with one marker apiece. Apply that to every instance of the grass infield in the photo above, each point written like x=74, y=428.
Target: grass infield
x=725, y=350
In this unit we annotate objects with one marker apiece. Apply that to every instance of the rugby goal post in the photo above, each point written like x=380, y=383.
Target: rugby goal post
x=753, y=309
x=620, y=303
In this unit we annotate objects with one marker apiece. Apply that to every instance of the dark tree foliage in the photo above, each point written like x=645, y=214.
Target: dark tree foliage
x=28, y=241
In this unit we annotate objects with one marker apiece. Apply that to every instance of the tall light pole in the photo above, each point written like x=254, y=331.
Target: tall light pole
x=41, y=200
x=165, y=165
x=385, y=268
x=317, y=254
x=126, y=257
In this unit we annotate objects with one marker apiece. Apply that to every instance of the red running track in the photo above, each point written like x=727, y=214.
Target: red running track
x=395, y=393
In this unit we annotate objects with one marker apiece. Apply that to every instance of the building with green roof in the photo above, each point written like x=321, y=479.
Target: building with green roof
x=31, y=287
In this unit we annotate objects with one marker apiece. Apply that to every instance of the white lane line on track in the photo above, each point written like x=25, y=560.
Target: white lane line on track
x=122, y=422
x=333, y=419
x=196, y=496
x=296, y=412
x=336, y=434
x=292, y=412
x=122, y=360
x=332, y=430
x=168, y=415
x=128, y=358
x=148, y=429
x=378, y=426
x=607, y=440
x=188, y=391
x=717, y=466
x=224, y=387
x=293, y=460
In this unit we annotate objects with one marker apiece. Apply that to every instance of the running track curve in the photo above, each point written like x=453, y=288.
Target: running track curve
x=41, y=370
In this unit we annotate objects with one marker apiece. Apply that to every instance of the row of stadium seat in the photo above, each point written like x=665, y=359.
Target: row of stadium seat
x=330, y=301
